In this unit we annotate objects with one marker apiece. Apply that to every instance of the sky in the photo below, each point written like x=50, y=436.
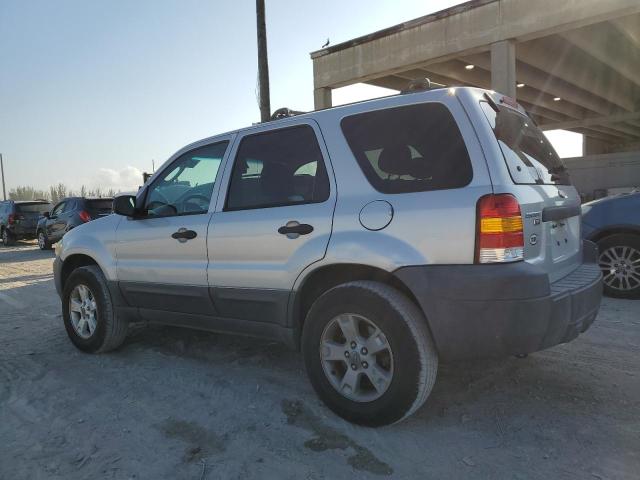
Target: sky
x=92, y=92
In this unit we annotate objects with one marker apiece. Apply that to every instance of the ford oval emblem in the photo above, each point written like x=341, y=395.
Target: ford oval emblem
x=533, y=239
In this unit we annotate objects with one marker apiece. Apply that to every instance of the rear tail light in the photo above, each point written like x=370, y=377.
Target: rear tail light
x=11, y=219
x=84, y=216
x=499, y=232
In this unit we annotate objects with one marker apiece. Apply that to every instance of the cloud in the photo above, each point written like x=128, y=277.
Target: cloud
x=128, y=178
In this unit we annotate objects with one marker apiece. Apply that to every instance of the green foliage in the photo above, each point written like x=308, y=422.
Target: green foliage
x=57, y=193
x=27, y=193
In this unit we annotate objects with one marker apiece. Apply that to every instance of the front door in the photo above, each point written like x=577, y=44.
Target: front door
x=56, y=222
x=162, y=256
x=274, y=221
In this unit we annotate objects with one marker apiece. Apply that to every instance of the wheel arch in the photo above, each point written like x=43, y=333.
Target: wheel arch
x=322, y=279
x=614, y=230
x=73, y=262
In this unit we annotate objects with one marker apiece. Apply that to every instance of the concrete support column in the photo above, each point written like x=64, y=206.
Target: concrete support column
x=593, y=146
x=503, y=67
x=322, y=98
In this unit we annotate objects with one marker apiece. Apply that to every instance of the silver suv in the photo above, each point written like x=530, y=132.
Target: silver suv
x=380, y=238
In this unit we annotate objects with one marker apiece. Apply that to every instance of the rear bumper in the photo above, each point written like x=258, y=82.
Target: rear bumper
x=481, y=311
x=20, y=232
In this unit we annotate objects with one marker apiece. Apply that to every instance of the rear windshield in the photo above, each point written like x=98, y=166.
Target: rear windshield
x=103, y=205
x=529, y=155
x=32, y=207
x=414, y=148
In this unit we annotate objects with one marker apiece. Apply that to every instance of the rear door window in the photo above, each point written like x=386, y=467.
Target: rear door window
x=278, y=168
x=415, y=148
x=529, y=155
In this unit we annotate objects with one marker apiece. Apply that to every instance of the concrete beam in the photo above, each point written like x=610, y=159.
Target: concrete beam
x=586, y=122
x=503, y=67
x=481, y=78
x=596, y=135
x=630, y=27
x=606, y=44
x=470, y=28
x=574, y=66
x=546, y=83
x=322, y=98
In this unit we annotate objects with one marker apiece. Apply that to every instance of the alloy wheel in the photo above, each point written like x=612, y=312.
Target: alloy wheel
x=83, y=311
x=620, y=267
x=356, y=357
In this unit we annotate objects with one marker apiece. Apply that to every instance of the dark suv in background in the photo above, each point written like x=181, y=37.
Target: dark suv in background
x=67, y=214
x=18, y=219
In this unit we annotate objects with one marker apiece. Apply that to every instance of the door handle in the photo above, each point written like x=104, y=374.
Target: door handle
x=182, y=235
x=292, y=229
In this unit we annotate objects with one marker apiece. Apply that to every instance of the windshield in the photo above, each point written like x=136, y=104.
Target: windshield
x=529, y=155
x=33, y=207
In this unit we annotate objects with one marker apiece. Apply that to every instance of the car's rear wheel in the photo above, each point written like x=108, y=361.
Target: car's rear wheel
x=620, y=264
x=7, y=238
x=90, y=319
x=368, y=353
x=43, y=241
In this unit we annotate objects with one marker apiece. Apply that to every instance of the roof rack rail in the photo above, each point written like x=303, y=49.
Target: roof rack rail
x=420, y=84
x=285, y=113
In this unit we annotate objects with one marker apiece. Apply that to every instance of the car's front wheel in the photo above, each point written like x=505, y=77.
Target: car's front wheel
x=43, y=241
x=620, y=264
x=368, y=353
x=90, y=319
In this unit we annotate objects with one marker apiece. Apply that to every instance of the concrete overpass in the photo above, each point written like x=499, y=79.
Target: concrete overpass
x=573, y=64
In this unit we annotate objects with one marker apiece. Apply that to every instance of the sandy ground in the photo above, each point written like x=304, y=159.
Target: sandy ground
x=187, y=405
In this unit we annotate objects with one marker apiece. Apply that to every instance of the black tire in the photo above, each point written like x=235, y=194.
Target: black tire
x=7, y=239
x=415, y=358
x=618, y=288
x=110, y=330
x=43, y=243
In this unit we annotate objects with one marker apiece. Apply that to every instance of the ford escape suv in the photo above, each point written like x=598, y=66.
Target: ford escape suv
x=380, y=238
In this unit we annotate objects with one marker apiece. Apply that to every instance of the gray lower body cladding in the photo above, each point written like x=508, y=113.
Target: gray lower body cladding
x=482, y=311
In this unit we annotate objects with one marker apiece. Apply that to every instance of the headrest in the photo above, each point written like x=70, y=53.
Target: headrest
x=396, y=160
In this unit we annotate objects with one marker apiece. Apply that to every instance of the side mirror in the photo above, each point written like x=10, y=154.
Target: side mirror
x=125, y=205
x=46, y=215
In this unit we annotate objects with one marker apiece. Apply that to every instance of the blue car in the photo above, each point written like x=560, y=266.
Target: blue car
x=614, y=224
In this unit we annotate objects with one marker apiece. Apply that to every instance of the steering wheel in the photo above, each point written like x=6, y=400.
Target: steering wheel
x=199, y=200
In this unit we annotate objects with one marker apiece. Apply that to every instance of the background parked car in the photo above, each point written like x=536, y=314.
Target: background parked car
x=67, y=214
x=614, y=224
x=18, y=219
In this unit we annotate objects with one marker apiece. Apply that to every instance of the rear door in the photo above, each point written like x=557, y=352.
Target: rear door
x=57, y=221
x=274, y=220
x=537, y=177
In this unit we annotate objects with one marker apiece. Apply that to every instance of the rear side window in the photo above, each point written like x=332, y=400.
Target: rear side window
x=415, y=148
x=278, y=168
x=529, y=155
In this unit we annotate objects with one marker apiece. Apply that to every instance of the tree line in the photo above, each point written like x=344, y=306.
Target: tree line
x=57, y=193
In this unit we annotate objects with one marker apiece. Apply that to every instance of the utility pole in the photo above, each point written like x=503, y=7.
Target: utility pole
x=4, y=191
x=263, y=63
